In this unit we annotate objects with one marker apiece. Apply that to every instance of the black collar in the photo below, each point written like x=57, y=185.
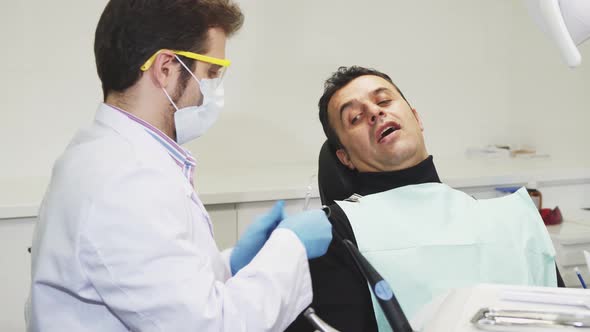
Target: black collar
x=375, y=182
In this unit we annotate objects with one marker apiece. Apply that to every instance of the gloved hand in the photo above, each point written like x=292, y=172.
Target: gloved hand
x=313, y=229
x=254, y=237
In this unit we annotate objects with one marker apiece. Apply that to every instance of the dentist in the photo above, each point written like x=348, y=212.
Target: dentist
x=123, y=242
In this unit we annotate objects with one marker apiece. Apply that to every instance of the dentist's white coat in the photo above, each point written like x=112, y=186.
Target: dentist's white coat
x=121, y=246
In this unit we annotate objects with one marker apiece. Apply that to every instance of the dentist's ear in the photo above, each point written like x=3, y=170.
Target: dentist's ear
x=345, y=159
x=418, y=118
x=164, y=70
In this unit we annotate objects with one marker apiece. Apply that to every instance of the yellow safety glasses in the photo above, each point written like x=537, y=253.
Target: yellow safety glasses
x=223, y=63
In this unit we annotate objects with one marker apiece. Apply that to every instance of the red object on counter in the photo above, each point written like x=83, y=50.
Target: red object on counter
x=551, y=217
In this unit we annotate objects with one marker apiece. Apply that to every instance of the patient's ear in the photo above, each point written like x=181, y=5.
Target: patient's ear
x=344, y=158
x=418, y=118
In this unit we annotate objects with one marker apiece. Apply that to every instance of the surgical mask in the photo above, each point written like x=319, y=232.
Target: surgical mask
x=193, y=121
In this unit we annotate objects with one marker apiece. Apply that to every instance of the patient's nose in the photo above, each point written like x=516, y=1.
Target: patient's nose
x=375, y=115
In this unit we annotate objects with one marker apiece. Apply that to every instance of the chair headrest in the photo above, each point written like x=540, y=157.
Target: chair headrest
x=335, y=181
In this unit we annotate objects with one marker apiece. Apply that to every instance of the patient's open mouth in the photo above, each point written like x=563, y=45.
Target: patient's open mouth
x=386, y=130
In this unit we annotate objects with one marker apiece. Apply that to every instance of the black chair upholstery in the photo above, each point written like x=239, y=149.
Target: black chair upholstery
x=335, y=181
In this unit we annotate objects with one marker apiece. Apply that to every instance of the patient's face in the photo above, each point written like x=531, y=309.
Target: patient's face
x=378, y=129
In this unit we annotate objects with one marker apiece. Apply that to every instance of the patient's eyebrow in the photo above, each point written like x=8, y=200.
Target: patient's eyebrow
x=382, y=89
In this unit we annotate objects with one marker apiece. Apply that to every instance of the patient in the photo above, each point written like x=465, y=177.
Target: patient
x=374, y=132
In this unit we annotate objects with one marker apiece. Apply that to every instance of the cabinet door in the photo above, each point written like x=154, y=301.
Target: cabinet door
x=15, y=273
x=248, y=212
x=570, y=198
x=225, y=229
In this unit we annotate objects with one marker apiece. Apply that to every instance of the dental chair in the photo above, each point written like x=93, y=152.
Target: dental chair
x=335, y=181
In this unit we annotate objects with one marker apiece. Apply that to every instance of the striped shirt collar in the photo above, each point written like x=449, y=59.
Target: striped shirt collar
x=182, y=157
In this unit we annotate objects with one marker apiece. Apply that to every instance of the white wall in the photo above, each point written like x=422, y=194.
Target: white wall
x=49, y=85
x=478, y=71
x=451, y=58
x=550, y=103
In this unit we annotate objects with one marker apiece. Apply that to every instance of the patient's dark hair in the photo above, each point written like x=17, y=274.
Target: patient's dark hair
x=337, y=81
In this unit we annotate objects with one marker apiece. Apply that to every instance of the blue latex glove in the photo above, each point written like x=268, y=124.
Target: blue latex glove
x=254, y=237
x=313, y=229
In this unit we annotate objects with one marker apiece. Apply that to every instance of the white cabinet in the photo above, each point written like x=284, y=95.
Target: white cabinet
x=15, y=271
x=15, y=260
x=229, y=222
x=225, y=226
x=569, y=197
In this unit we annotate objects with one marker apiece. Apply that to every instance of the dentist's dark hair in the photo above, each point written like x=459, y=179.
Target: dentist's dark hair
x=337, y=81
x=130, y=31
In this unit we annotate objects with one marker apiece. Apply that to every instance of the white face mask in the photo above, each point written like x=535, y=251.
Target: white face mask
x=193, y=121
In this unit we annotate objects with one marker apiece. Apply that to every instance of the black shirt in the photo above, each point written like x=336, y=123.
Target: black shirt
x=340, y=293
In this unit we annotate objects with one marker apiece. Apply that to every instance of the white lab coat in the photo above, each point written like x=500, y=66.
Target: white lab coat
x=121, y=246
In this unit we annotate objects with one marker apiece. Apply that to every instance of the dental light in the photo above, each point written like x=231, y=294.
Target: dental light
x=566, y=22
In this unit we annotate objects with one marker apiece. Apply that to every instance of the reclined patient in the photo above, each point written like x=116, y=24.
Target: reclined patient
x=421, y=235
